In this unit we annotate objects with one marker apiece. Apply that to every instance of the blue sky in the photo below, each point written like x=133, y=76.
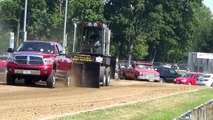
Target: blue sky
x=209, y=3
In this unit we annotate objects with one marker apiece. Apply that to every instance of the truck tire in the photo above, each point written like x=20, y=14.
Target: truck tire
x=51, y=80
x=135, y=77
x=108, y=76
x=124, y=77
x=10, y=79
x=68, y=79
x=162, y=80
x=103, y=76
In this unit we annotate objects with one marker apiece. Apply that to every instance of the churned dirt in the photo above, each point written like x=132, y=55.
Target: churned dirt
x=38, y=102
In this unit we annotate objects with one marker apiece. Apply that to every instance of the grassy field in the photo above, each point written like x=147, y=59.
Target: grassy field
x=161, y=109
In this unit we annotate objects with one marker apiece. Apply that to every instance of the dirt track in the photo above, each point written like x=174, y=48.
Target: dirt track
x=38, y=102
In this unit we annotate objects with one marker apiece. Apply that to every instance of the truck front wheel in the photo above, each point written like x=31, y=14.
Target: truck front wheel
x=102, y=76
x=108, y=74
x=51, y=80
x=10, y=79
x=135, y=77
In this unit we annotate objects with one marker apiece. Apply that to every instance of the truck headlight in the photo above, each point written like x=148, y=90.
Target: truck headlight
x=48, y=61
x=99, y=59
x=10, y=58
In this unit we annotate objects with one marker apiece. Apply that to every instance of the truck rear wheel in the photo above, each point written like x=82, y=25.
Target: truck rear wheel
x=51, y=80
x=135, y=77
x=124, y=77
x=108, y=76
x=10, y=79
x=68, y=79
x=103, y=76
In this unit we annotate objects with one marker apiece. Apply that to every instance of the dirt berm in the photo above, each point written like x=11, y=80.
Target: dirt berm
x=38, y=102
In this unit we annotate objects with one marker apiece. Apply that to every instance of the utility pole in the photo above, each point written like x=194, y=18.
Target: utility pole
x=65, y=25
x=74, y=20
x=60, y=3
x=25, y=19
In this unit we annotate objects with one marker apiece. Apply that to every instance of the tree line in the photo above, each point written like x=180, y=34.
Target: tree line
x=149, y=30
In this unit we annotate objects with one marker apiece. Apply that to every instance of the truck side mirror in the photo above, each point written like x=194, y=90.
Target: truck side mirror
x=62, y=52
x=10, y=50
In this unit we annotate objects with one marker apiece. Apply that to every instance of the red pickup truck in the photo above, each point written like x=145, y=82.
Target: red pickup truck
x=36, y=61
x=140, y=71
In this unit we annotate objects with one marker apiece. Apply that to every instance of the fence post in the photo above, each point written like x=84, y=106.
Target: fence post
x=209, y=112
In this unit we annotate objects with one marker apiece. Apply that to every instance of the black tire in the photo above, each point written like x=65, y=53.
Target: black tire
x=28, y=81
x=135, y=77
x=162, y=80
x=51, y=80
x=212, y=85
x=108, y=76
x=68, y=79
x=124, y=77
x=102, y=76
x=10, y=79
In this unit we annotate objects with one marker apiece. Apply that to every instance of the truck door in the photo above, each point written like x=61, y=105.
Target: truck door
x=61, y=59
x=131, y=71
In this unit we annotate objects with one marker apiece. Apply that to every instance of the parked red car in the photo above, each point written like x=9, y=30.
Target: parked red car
x=189, y=78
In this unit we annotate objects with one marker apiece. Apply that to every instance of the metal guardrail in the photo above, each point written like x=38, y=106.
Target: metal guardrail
x=202, y=112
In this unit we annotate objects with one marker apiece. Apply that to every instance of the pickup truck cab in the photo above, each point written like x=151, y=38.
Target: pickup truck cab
x=140, y=71
x=39, y=60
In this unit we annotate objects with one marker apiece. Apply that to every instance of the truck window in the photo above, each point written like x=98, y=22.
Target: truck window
x=36, y=46
x=59, y=48
x=91, y=40
x=147, y=67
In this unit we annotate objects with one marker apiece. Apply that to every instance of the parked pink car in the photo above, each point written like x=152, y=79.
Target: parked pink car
x=189, y=78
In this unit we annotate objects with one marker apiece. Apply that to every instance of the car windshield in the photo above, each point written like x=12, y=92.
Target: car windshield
x=188, y=75
x=36, y=46
x=148, y=67
x=207, y=76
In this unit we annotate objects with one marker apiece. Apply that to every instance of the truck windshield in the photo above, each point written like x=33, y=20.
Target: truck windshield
x=148, y=67
x=91, y=40
x=36, y=46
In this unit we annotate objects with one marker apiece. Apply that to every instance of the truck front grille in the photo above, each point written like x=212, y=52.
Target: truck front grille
x=28, y=60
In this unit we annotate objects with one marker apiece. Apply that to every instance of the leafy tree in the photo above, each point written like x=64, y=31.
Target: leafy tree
x=141, y=29
x=202, y=38
x=88, y=10
x=123, y=18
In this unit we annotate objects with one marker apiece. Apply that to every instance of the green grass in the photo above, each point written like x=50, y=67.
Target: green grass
x=161, y=109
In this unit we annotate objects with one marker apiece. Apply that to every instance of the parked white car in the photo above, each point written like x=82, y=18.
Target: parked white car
x=205, y=80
